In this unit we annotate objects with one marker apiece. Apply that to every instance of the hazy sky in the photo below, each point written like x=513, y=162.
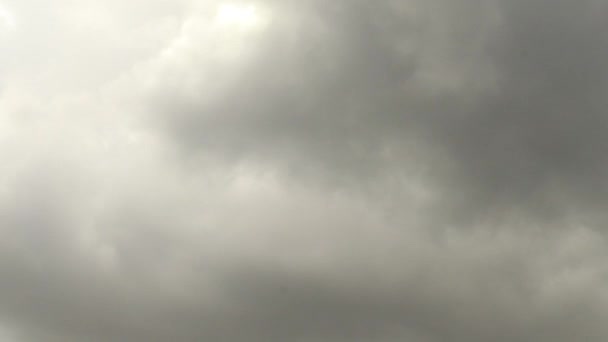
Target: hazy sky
x=303, y=171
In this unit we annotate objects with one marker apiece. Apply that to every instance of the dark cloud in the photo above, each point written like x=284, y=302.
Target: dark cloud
x=541, y=137
x=505, y=99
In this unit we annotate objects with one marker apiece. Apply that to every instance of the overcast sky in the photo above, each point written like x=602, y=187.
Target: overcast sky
x=303, y=171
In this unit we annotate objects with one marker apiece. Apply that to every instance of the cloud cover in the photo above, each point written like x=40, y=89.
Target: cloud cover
x=421, y=171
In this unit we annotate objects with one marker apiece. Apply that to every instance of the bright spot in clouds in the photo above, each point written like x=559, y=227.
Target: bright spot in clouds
x=7, y=18
x=243, y=16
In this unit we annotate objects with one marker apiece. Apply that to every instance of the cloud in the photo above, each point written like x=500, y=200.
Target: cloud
x=420, y=171
x=8, y=19
x=504, y=96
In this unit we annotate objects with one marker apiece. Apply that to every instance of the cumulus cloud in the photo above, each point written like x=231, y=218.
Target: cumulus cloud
x=420, y=171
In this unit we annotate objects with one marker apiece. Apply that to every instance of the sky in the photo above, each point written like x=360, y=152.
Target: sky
x=303, y=171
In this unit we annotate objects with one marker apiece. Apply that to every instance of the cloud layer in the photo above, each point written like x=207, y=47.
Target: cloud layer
x=420, y=171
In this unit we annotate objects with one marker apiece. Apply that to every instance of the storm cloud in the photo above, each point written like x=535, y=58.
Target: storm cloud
x=420, y=171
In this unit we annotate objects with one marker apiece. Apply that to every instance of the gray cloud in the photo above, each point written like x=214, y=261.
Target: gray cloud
x=421, y=171
x=508, y=97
